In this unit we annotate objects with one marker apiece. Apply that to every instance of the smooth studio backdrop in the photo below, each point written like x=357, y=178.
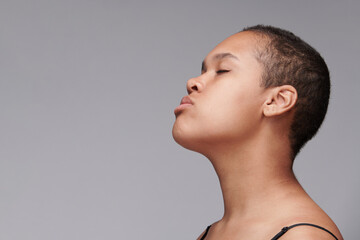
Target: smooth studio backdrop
x=87, y=92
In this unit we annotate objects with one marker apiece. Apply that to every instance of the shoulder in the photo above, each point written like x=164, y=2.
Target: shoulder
x=310, y=233
x=311, y=214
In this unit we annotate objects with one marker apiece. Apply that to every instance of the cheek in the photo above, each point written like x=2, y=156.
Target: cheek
x=233, y=115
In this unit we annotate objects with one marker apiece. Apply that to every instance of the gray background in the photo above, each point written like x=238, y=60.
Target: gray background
x=87, y=92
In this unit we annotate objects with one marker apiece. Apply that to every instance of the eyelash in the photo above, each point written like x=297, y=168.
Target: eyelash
x=222, y=71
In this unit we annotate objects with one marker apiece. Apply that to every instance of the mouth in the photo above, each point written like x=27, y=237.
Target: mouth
x=185, y=103
x=186, y=100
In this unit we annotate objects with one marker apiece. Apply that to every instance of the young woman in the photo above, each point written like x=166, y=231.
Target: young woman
x=262, y=94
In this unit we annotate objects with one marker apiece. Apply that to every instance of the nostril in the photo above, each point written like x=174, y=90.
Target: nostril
x=193, y=85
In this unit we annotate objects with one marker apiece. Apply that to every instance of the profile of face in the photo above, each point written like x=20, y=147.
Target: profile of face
x=226, y=98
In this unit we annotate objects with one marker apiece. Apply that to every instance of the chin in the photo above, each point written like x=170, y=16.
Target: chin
x=193, y=140
x=185, y=137
x=180, y=136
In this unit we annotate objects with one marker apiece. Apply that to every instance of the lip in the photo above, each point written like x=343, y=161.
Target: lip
x=185, y=102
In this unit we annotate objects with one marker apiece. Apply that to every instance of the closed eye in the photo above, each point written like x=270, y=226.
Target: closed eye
x=222, y=71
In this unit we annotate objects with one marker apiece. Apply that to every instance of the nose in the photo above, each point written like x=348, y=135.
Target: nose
x=193, y=84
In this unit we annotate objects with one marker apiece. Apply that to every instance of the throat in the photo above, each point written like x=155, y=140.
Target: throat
x=253, y=190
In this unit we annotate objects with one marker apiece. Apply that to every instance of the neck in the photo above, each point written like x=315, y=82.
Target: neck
x=253, y=178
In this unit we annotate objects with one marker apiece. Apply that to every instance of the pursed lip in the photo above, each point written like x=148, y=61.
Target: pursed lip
x=186, y=100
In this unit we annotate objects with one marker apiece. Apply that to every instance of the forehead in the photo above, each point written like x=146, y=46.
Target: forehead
x=240, y=45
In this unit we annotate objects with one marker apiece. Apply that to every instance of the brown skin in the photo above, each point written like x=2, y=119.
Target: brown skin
x=243, y=130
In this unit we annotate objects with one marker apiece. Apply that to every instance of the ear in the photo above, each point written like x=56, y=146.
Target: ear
x=280, y=100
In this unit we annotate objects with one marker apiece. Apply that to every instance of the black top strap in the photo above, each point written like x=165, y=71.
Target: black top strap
x=285, y=229
x=206, y=232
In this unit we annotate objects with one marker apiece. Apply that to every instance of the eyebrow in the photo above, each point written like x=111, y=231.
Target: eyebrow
x=218, y=57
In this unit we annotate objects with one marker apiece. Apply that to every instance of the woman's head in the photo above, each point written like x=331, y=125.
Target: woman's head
x=233, y=98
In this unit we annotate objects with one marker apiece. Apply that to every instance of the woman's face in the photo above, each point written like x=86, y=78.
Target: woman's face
x=226, y=98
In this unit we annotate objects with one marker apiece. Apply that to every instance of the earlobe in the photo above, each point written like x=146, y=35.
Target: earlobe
x=281, y=99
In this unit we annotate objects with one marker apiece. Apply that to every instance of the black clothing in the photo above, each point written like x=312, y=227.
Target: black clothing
x=283, y=230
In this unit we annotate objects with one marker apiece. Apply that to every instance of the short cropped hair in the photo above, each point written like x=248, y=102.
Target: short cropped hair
x=288, y=60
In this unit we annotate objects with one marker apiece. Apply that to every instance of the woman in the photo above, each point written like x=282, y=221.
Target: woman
x=262, y=94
